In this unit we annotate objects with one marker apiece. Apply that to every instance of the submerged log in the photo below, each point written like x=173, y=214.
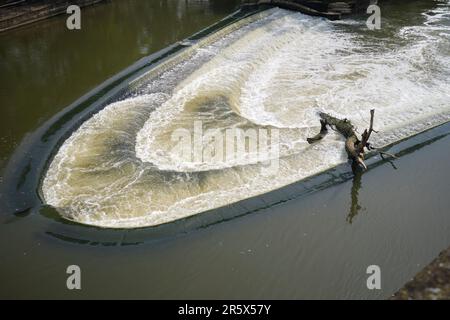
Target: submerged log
x=354, y=146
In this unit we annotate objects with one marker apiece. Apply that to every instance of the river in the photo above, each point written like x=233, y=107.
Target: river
x=203, y=228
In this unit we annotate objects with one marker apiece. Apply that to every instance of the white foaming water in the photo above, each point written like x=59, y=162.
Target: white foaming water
x=119, y=169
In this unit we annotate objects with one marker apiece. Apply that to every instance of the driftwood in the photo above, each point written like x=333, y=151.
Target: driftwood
x=354, y=146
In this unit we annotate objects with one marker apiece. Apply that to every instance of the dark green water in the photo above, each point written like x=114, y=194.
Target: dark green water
x=309, y=245
x=44, y=67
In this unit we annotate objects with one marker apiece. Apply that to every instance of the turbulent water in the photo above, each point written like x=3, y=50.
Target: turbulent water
x=268, y=75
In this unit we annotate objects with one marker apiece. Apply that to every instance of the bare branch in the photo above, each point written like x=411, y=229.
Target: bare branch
x=353, y=145
x=323, y=132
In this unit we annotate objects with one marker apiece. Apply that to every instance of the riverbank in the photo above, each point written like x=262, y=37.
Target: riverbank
x=14, y=14
x=432, y=283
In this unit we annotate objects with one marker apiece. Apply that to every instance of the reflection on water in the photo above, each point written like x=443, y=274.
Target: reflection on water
x=355, y=206
x=356, y=186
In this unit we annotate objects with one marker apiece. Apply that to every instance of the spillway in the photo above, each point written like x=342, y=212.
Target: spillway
x=268, y=75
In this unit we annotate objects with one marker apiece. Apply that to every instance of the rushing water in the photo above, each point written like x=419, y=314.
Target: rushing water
x=275, y=72
x=113, y=163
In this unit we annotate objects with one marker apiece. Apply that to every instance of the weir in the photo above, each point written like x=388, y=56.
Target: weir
x=273, y=70
x=330, y=9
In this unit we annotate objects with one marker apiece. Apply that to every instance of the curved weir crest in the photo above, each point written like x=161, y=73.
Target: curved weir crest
x=268, y=74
